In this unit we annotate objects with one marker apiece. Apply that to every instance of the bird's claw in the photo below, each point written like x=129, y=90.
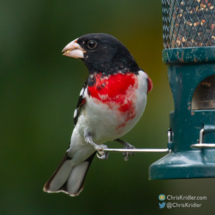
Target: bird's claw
x=127, y=154
x=100, y=152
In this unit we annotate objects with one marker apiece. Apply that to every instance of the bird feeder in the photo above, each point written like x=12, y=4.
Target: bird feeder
x=189, y=42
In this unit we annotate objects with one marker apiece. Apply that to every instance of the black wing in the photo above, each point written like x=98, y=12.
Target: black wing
x=81, y=101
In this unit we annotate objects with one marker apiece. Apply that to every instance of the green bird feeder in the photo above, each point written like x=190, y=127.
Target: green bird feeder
x=189, y=42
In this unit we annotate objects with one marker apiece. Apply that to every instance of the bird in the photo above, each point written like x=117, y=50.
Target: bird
x=111, y=102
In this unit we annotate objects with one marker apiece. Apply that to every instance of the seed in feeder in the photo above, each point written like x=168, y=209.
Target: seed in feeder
x=204, y=5
x=196, y=23
x=184, y=40
x=197, y=26
x=199, y=12
x=202, y=22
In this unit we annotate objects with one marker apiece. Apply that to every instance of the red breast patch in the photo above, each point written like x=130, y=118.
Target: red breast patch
x=150, y=85
x=116, y=91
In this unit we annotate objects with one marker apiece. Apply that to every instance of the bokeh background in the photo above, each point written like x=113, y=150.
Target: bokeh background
x=39, y=89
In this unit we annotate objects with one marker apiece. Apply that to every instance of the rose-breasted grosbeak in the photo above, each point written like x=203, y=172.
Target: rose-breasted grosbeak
x=111, y=102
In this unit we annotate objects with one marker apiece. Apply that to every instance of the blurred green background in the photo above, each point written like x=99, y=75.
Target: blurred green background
x=39, y=92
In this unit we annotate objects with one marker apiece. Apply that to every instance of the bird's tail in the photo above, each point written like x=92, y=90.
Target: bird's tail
x=68, y=178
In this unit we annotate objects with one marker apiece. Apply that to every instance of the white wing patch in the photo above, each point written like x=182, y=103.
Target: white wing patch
x=82, y=92
x=75, y=113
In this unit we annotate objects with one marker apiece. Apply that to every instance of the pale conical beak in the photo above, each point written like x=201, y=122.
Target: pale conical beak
x=73, y=49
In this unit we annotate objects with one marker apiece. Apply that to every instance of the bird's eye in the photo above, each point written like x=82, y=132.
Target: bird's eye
x=91, y=44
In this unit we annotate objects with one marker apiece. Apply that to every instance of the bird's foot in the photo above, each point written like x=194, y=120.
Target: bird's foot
x=101, y=154
x=127, y=154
